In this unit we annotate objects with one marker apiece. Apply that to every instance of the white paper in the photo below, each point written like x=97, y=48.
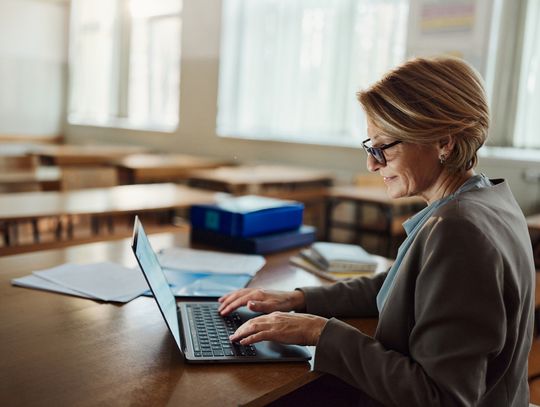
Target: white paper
x=33, y=281
x=210, y=262
x=105, y=281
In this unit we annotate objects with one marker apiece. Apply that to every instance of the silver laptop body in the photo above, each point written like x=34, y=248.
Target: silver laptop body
x=199, y=332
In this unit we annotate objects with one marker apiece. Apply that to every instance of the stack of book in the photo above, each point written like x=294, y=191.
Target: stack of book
x=336, y=261
x=251, y=224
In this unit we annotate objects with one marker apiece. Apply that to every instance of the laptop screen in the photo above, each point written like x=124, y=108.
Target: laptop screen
x=156, y=279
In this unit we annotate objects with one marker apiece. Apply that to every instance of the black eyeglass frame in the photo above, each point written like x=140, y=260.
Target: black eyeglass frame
x=377, y=152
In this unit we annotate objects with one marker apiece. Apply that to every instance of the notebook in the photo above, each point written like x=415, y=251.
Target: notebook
x=199, y=332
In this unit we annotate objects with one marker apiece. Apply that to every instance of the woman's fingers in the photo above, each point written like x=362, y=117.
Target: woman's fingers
x=282, y=327
x=260, y=300
x=239, y=298
x=253, y=326
x=257, y=337
x=233, y=295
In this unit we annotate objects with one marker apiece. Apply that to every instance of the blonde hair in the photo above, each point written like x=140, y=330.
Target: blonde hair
x=425, y=100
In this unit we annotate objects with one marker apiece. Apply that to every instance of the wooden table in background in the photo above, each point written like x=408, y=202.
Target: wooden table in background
x=533, y=222
x=300, y=184
x=60, y=350
x=144, y=168
x=39, y=179
x=99, y=154
x=98, y=203
x=393, y=212
x=257, y=179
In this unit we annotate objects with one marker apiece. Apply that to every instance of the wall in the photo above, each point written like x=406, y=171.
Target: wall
x=196, y=133
x=33, y=66
x=521, y=168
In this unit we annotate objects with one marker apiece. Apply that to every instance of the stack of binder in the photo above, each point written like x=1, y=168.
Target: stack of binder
x=251, y=224
x=336, y=261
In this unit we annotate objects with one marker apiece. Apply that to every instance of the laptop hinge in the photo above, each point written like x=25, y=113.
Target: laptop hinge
x=181, y=329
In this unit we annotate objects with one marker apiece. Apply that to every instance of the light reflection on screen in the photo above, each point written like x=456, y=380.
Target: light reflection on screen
x=158, y=284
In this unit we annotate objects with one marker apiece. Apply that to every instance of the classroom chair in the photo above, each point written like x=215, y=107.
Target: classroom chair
x=373, y=214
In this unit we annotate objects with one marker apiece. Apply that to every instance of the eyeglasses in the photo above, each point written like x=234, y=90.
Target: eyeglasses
x=377, y=152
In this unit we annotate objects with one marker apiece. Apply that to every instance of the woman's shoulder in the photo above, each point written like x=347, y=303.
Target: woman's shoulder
x=493, y=202
x=491, y=212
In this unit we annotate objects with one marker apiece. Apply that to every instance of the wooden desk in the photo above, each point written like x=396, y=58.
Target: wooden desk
x=17, y=149
x=256, y=179
x=533, y=222
x=63, y=155
x=144, y=168
x=392, y=211
x=40, y=179
x=30, y=139
x=60, y=350
x=98, y=202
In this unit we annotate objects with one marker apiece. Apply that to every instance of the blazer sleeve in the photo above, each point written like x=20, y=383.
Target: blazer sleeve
x=459, y=326
x=349, y=298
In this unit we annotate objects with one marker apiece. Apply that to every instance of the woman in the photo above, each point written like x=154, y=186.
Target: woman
x=456, y=308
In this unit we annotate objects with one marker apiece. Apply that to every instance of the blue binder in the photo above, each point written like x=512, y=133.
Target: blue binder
x=265, y=244
x=247, y=216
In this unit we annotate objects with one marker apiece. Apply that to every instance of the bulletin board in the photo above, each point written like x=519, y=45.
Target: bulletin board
x=452, y=27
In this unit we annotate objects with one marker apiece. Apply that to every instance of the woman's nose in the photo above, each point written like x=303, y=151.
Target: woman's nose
x=372, y=164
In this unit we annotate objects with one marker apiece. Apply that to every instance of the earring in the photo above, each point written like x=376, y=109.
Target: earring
x=442, y=159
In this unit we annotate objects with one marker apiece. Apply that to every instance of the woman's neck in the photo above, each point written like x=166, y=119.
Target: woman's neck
x=447, y=185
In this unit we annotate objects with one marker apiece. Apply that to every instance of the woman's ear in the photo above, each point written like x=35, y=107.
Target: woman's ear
x=446, y=145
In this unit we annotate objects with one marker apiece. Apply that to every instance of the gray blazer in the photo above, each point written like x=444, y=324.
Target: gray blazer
x=457, y=325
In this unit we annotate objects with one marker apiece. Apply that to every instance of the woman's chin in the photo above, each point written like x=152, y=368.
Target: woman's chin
x=393, y=193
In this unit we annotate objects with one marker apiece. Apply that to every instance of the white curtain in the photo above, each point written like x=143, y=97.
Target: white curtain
x=125, y=63
x=92, y=49
x=290, y=69
x=527, y=129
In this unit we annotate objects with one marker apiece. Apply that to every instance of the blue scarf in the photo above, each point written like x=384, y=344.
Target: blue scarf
x=413, y=225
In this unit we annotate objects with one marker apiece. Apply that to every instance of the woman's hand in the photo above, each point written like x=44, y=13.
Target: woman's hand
x=284, y=327
x=260, y=300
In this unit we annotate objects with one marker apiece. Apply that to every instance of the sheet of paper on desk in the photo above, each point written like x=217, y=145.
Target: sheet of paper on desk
x=105, y=281
x=192, y=260
x=32, y=281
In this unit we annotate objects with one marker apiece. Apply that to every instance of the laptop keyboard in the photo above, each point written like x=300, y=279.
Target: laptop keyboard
x=210, y=332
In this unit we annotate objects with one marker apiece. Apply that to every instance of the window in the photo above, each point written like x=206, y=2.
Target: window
x=528, y=104
x=290, y=69
x=125, y=63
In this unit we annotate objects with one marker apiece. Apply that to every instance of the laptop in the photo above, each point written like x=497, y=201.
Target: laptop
x=199, y=332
